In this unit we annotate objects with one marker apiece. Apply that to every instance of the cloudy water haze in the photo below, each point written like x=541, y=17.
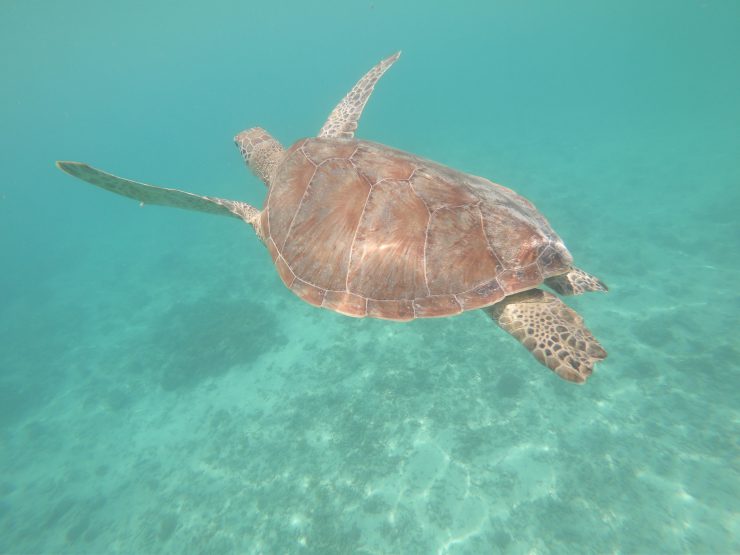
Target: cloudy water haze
x=162, y=391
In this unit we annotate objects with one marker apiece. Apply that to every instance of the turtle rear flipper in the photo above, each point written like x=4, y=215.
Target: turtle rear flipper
x=149, y=194
x=551, y=330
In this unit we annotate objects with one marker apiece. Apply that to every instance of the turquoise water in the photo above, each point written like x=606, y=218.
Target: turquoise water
x=161, y=391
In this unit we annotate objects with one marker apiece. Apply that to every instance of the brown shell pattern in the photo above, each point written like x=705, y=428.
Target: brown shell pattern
x=367, y=230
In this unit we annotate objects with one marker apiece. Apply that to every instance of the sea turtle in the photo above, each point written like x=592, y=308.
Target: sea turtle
x=368, y=230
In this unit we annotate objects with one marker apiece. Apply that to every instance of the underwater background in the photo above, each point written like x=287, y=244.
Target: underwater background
x=161, y=391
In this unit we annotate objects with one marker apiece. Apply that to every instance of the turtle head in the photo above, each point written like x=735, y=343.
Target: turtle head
x=260, y=151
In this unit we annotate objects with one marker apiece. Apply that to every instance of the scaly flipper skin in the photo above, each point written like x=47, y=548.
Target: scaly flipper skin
x=552, y=331
x=575, y=282
x=342, y=122
x=149, y=194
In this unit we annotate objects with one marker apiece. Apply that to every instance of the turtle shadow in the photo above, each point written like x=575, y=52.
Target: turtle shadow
x=192, y=342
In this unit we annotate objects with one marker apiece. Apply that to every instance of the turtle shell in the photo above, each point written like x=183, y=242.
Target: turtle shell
x=367, y=230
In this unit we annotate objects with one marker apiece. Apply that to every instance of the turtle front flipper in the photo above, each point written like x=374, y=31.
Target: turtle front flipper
x=149, y=194
x=575, y=282
x=553, y=332
x=342, y=122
